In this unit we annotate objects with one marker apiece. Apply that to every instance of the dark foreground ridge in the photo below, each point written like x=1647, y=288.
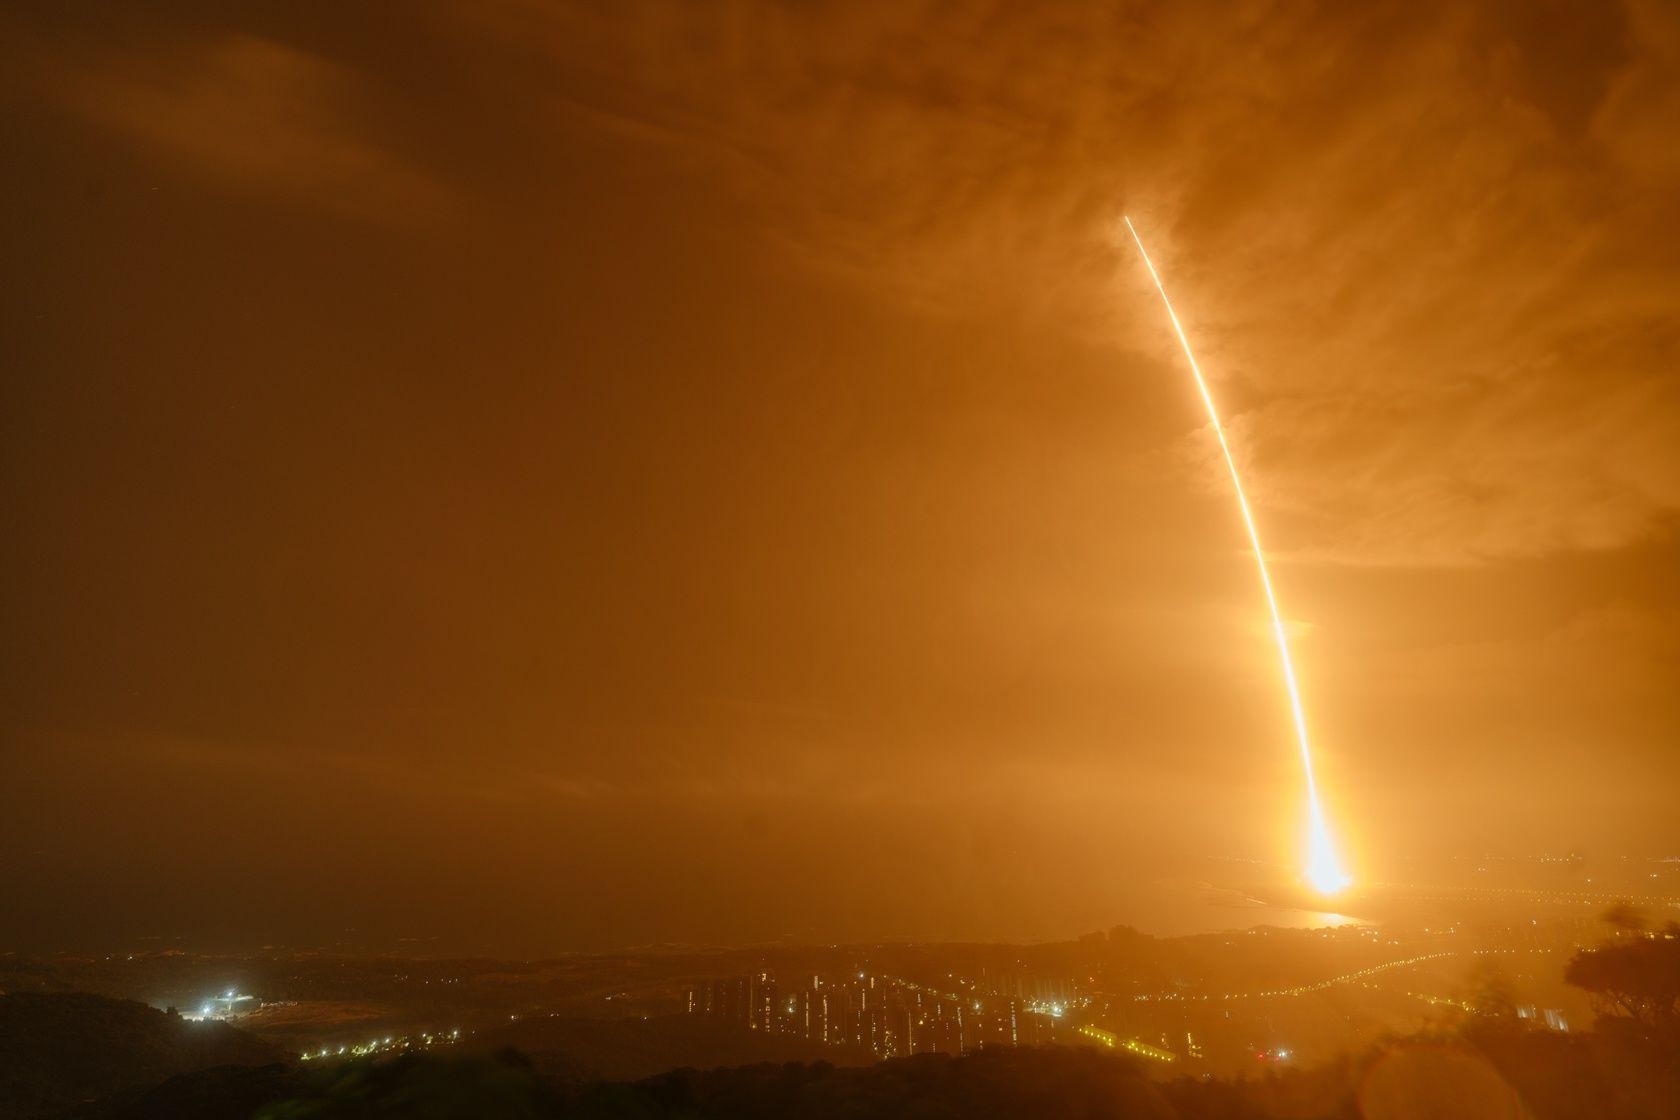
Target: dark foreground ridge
x=63, y=1048
x=1490, y=1073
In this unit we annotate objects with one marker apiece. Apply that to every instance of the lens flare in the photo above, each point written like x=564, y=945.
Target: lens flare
x=1323, y=867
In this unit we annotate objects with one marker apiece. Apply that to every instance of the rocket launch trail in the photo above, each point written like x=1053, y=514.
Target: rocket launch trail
x=1324, y=869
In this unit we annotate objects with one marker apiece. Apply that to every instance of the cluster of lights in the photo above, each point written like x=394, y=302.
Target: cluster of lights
x=209, y=1010
x=1530, y=894
x=1131, y=1045
x=1347, y=978
x=1443, y=1001
x=1056, y=1009
x=383, y=1046
x=871, y=1021
x=1304, y=989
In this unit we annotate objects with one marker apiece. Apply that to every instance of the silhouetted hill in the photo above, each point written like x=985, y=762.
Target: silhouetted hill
x=1491, y=1072
x=1023, y=1084
x=630, y=1049
x=223, y=1093
x=60, y=1049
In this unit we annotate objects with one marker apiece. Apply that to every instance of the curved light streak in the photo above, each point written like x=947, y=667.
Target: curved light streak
x=1324, y=869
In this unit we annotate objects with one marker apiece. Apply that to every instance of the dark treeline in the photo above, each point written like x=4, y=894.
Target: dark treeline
x=1488, y=1073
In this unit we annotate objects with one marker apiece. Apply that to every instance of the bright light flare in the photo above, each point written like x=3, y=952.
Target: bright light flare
x=1324, y=868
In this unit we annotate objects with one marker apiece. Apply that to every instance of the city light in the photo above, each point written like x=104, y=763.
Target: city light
x=392, y=1044
x=1131, y=1045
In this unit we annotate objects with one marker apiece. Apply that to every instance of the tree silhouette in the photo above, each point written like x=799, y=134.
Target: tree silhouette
x=1634, y=978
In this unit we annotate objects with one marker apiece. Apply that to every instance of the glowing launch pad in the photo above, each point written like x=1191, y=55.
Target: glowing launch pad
x=1323, y=868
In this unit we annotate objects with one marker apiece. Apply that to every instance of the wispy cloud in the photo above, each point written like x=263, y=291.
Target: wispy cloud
x=251, y=112
x=1415, y=242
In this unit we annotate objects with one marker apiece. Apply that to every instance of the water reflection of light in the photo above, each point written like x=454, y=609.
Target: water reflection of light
x=1290, y=918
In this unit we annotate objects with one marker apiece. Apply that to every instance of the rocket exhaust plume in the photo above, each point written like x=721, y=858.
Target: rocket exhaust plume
x=1324, y=869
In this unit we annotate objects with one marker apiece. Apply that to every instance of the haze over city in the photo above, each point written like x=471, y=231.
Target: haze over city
x=508, y=480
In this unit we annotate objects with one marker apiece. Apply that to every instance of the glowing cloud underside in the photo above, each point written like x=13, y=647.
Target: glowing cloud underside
x=1324, y=869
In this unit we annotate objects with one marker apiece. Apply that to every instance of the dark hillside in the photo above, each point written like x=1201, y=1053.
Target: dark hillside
x=61, y=1049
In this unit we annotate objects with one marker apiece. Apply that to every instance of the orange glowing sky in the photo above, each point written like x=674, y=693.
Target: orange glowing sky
x=664, y=472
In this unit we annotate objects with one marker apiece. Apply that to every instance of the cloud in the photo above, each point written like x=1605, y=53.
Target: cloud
x=251, y=112
x=1414, y=242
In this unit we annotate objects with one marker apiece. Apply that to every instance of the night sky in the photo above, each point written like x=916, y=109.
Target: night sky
x=553, y=476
